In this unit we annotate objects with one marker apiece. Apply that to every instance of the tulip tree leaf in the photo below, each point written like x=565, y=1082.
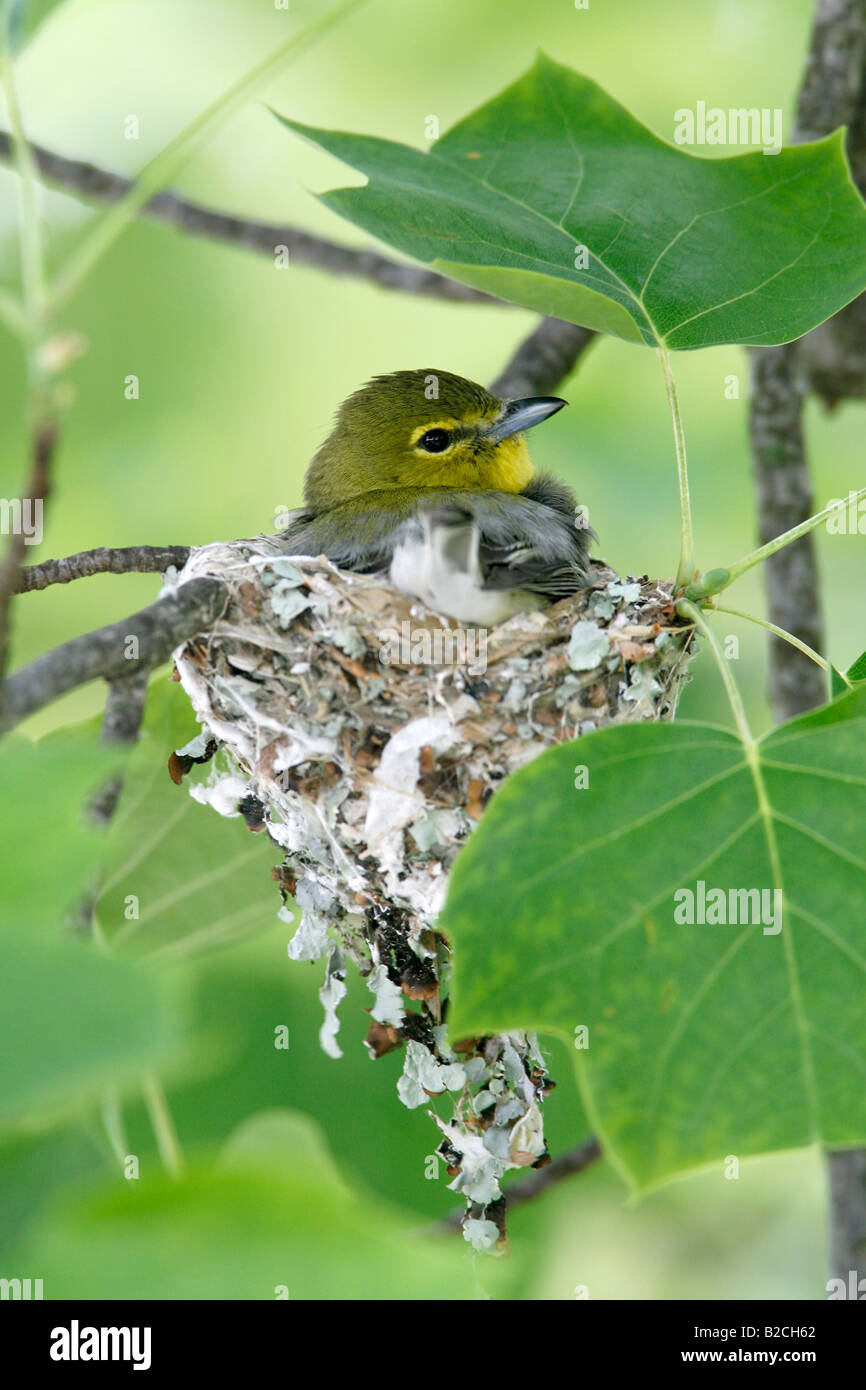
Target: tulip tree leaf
x=73, y=1019
x=704, y=1040
x=265, y=1228
x=44, y=828
x=680, y=249
x=857, y=669
x=856, y=672
x=176, y=878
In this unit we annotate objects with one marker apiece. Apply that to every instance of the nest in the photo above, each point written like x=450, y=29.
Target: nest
x=365, y=735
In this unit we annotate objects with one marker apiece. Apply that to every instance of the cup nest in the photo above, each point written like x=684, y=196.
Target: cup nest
x=365, y=735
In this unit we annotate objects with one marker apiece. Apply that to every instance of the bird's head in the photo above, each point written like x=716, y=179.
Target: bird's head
x=424, y=429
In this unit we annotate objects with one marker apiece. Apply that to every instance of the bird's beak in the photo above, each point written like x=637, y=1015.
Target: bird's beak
x=522, y=415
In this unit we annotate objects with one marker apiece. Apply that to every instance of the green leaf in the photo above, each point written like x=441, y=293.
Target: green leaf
x=50, y=848
x=268, y=1228
x=279, y=1137
x=176, y=877
x=73, y=1019
x=857, y=669
x=856, y=672
x=26, y=17
x=704, y=1040
x=683, y=250
x=838, y=683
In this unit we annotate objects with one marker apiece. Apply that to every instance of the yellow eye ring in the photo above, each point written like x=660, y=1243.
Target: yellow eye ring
x=449, y=428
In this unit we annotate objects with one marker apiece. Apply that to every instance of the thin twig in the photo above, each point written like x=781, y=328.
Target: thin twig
x=163, y=1125
x=131, y=559
x=37, y=491
x=124, y=708
x=136, y=643
x=573, y=1161
x=534, y=1184
x=97, y=185
x=121, y=724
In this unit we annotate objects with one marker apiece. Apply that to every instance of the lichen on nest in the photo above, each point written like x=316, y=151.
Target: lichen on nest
x=365, y=735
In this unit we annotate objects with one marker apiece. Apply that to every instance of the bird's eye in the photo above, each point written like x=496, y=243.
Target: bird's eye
x=435, y=441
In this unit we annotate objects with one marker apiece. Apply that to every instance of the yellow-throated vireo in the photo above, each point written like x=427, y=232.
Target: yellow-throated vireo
x=427, y=476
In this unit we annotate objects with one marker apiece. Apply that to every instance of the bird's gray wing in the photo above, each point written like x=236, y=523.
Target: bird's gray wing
x=529, y=540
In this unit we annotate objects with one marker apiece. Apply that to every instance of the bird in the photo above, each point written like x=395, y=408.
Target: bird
x=426, y=477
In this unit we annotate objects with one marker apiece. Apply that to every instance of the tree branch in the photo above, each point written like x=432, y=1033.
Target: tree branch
x=97, y=185
x=132, y=559
x=542, y=360
x=784, y=492
x=833, y=93
x=121, y=724
x=38, y=488
x=191, y=609
x=833, y=360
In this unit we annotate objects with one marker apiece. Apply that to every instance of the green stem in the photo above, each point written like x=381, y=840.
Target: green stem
x=687, y=568
x=32, y=274
x=783, y=633
x=163, y=1125
x=27, y=320
x=689, y=610
x=162, y=168
x=779, y=542
x=112, y=1122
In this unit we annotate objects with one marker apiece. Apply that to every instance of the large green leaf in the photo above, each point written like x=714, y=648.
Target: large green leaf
x=176, y=877
x=683, y=250
x=272, y=1224
x=73, y=1020
x=49, y=846
x=704, y=1040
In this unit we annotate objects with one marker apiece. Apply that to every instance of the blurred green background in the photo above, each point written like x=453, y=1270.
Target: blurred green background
x=240, y=369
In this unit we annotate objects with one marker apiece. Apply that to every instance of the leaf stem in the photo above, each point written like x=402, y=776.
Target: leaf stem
x=689, y=610
x=783, y=633
x=163, y=1125
x=162, y=168
x=765, y=551
x=687, y=568
x=30, y=239
x=112, y=1121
